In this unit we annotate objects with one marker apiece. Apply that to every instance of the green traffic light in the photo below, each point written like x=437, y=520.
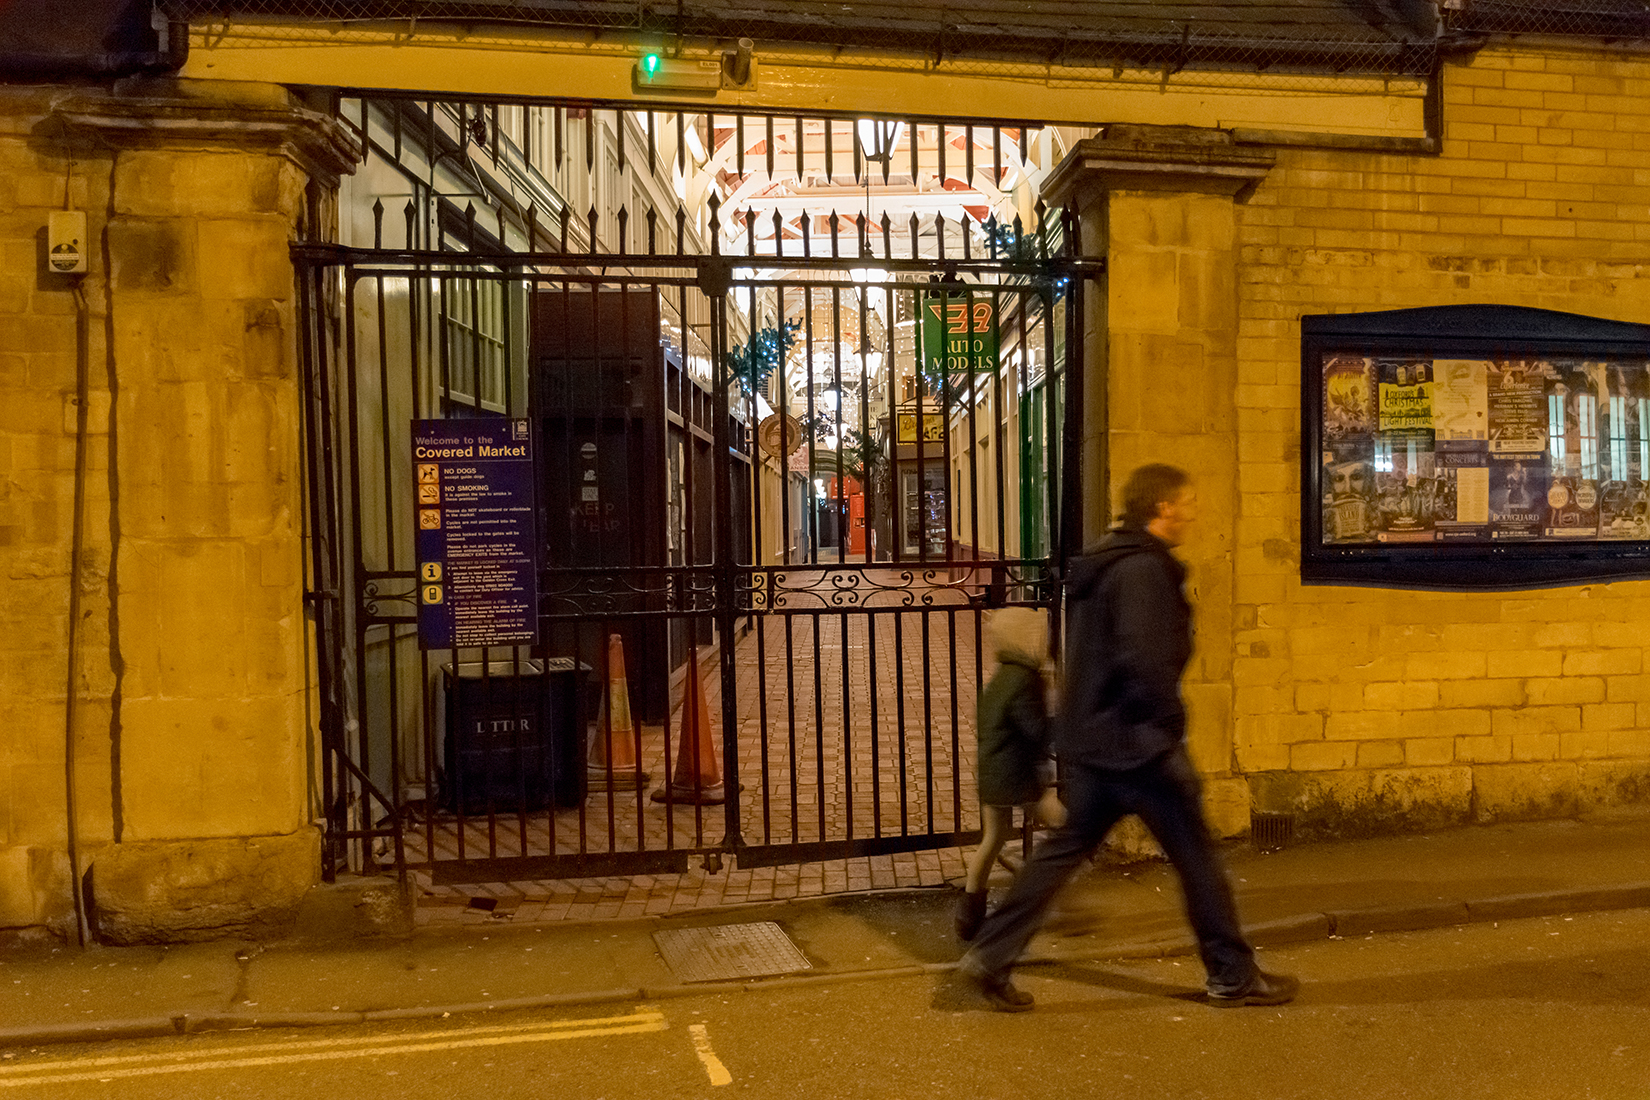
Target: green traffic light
x=650, y=64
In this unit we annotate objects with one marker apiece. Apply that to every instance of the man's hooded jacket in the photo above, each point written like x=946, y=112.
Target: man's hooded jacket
x=1129, y=636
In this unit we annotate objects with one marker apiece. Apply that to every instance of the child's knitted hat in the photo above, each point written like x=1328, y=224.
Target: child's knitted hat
x=1018, y=631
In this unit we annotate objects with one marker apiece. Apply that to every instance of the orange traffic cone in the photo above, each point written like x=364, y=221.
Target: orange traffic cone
x=697, y=777
x=612, y=762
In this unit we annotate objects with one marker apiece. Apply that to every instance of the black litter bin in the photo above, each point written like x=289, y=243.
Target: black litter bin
x=515, y=736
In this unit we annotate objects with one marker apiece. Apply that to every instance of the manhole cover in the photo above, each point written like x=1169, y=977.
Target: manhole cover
x=729, y=951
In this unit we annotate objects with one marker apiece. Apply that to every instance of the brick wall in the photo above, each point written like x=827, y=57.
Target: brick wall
x=1363, y=707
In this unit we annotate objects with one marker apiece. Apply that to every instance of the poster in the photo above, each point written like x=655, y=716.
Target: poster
x=476, y=536
x=1515, y=401
x=1460, y=400
x=1407, y=484
x=1483, y=450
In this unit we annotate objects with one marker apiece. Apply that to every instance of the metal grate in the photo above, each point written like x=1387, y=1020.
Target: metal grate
x=1269, y=832
x=730, y=951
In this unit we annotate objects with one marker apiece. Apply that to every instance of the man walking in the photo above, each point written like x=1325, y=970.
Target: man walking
x=1121, y=742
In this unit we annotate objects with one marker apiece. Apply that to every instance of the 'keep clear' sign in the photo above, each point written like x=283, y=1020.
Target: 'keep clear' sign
x=477, y=534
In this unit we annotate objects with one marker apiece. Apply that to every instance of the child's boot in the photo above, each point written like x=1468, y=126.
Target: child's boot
x=970, y=914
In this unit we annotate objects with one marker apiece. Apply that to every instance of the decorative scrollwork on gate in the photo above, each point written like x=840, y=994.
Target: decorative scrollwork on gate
x=377, y=592
x=599, y=593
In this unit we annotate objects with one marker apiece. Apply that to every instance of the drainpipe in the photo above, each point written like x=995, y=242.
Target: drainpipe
x=77, y=542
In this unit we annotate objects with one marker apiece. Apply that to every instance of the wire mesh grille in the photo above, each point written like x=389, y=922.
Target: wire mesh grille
x=1610, y=19
x=1321, y=37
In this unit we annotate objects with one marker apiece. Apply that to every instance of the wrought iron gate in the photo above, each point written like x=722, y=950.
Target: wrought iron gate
x=777, y=488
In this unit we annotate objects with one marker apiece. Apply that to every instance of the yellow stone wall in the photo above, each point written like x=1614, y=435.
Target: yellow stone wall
x=190, y=676
x=1379, y=708
x=38, y=364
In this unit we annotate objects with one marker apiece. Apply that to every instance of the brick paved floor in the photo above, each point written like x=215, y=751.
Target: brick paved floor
x=833, y=745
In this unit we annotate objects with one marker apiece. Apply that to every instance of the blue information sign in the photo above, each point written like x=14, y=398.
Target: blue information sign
x=477, y=533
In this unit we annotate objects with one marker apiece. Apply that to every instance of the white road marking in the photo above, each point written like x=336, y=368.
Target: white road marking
x=719, y=1074
x=270, y=1054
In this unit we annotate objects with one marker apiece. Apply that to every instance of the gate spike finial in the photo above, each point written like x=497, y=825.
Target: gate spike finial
x=715, y=224
x=533, y=228
x=652, y=231
x=410, y=213
x=750, y=231
x=624, y=230
x=593, y=219
x=378, y=223
x=470, y=224
x=835, y=223
x=778, y=234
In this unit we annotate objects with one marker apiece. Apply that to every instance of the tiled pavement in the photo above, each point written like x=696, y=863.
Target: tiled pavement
x=867, y=741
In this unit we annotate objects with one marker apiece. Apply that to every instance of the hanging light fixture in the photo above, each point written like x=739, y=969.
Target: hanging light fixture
x=878, y=137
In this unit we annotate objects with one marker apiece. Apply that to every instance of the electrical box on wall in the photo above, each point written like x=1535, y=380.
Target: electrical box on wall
x=66, y=242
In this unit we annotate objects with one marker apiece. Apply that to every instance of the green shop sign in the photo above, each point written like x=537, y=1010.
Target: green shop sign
x=959, y=334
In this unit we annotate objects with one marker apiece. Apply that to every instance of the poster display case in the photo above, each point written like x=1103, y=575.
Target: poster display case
x=1474, y=447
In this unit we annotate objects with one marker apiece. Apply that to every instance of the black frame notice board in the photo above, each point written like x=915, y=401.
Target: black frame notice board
x=1474, y=447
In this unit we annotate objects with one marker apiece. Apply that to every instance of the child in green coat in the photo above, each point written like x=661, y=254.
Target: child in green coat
x=1012, y=766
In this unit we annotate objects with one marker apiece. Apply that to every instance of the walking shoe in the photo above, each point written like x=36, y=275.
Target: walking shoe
x=970, y=914
x=1000, y=993
x=1263, y=989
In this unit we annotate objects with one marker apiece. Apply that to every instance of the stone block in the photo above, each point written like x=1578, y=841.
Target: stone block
x=1525, y=792
x=1535, y=746
x=184, y=891
x=1613, y=784
x=1439, y=723
x=1446, y=666
x=1322, y=755
x=244, y=258
x=1425, y=752
x=1367, y=802
x=198, y=767
x=1550, y=691
x=150, y=256
x=1398, y=918
x=1482, y=693
x=1401, y=695
x=1380, y=754
x=1608, y=716
x=1488, y=749
x=170, y=183
x=1634, y=742
x=35, y=888
x=1535, y=720
x=1518, y=906
x=1360, y=725
x=1145, y=296
x=1605, y=662
x=1524, y=662
x=1252, y=758
x=1584, y=745
x=1226, y=806
x=1209, y=726
x=1279, y=729
x=1627, y=689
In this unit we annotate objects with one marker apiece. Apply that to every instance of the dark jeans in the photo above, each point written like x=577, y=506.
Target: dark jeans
x=1166, y=793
